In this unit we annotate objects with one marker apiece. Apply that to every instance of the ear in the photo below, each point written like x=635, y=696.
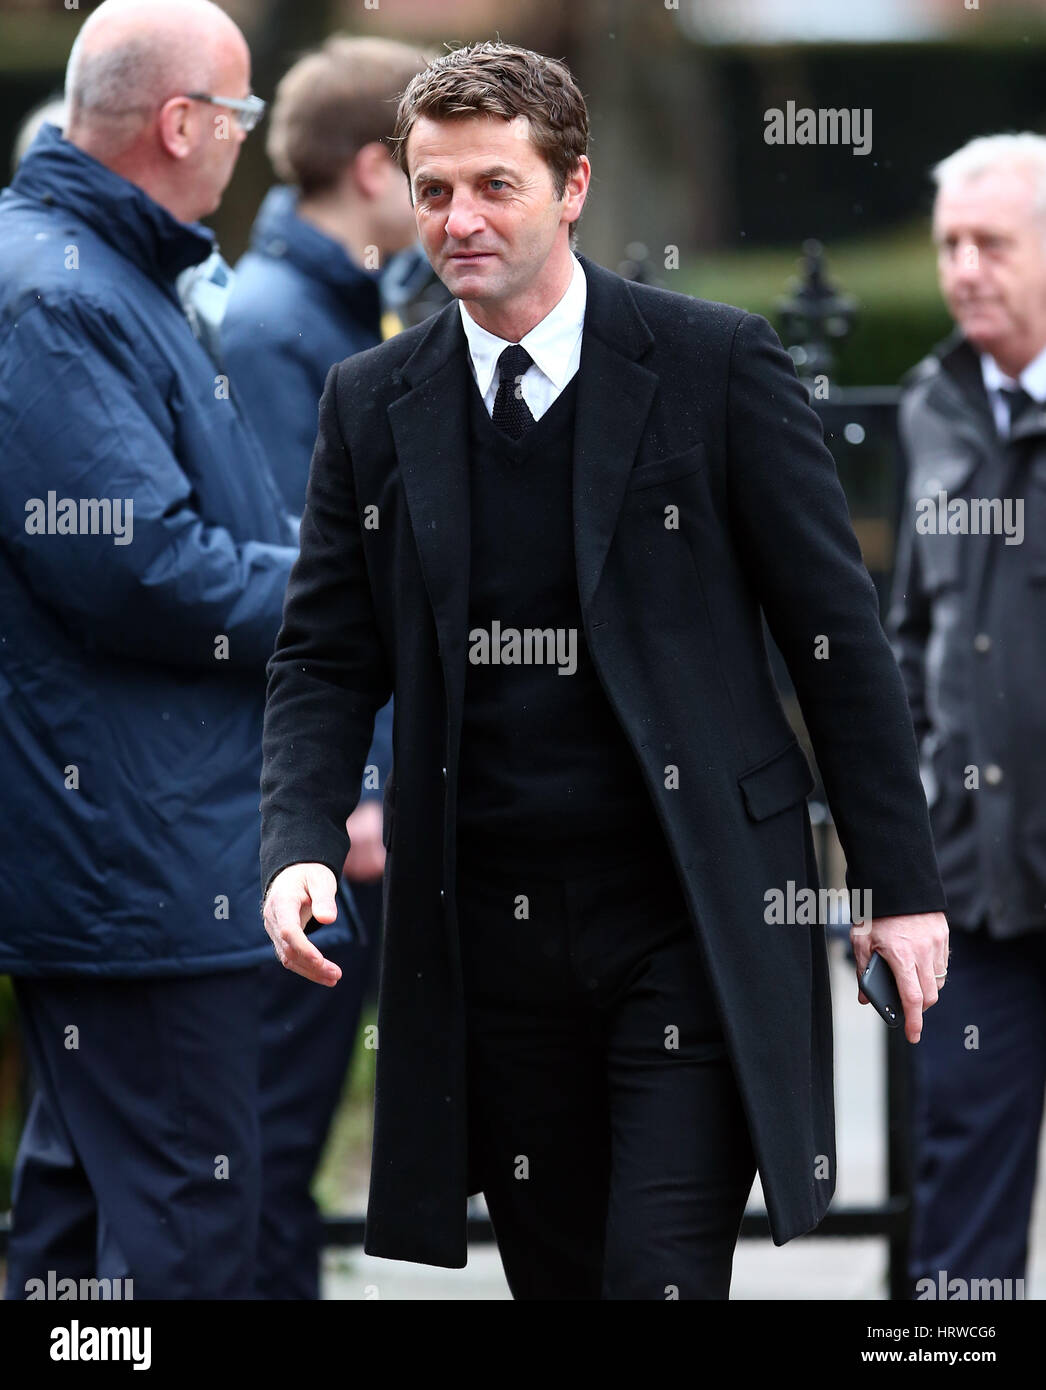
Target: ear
x=372, y=168
x=575, y=189
x=177, y=127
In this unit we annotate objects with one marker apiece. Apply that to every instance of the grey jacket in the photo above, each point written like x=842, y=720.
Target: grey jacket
x=968, y=626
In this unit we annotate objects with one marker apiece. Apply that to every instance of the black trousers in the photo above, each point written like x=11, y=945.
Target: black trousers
x=979, y=1076
x=605, y=1123
x=140, y=1156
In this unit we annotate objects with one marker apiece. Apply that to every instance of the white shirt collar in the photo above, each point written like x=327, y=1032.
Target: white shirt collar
x=550, y=343
x=1032, y=378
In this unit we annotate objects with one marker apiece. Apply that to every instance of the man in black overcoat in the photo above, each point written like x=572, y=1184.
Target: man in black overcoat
x=549, y=520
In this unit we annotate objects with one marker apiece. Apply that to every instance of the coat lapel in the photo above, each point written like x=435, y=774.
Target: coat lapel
x=430, y=428
x=959, y=396
x=614, y=397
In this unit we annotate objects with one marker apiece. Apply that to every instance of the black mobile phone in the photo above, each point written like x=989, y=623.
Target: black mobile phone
x=880, y=986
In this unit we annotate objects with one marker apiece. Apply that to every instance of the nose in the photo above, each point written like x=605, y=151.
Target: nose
x=965, y=265
x=464, y=217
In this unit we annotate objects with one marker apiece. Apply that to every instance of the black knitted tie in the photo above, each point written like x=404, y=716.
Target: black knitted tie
x=1019, y=403
x=511, y=412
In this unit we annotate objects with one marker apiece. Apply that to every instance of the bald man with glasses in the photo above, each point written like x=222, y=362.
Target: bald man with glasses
x=132, y=675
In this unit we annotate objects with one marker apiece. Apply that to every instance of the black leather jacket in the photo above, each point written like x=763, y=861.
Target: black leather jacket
x=968, y=627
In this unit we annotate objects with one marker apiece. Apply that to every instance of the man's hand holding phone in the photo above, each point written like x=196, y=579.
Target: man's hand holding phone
x=916, y=950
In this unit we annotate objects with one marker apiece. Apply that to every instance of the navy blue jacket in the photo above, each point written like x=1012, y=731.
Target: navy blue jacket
x=299, y=304
x=131, y=666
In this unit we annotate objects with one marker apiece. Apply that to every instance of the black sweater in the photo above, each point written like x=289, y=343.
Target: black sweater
x=547, y=774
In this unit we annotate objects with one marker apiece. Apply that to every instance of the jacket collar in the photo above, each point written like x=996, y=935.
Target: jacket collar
x=960, y=371
x=280, y=234
x=59, y=174
x=961, y=361
x=954, y=369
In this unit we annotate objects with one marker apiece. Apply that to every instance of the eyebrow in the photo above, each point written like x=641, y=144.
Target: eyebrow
x=943, y=235
x=495, y=171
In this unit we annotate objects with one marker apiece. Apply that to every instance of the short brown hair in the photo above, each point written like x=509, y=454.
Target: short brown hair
x=499, y=79
x=334, y=101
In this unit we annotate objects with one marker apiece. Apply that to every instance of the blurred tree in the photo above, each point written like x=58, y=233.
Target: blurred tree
x=657, y=139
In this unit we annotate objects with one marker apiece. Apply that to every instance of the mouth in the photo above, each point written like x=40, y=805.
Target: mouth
x=469, y=257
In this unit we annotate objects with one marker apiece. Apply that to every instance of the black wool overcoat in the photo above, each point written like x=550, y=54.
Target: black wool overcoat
x=703, y=496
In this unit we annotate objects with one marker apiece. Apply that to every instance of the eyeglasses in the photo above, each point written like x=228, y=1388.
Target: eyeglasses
x=249, y=110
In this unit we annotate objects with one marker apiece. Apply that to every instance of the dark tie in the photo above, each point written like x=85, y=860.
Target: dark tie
x=1019, y=404
x=511, y=413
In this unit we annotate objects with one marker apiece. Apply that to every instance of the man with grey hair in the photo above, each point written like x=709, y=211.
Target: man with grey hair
x=968, y=628
x=144, y=553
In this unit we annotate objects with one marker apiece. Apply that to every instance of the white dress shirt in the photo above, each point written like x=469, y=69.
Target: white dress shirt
x=1033, y=380
x=554, y=344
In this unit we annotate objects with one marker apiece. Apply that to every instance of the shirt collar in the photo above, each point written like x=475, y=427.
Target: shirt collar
x=1032, y=378
x=550, y=343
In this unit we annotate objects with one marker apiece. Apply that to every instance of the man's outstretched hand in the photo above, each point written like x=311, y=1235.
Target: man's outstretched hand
x=297, y=893
x=916, y=950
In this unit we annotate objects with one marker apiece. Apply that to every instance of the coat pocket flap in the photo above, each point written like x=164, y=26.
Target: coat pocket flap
x=777, y=783
x=657, y=471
